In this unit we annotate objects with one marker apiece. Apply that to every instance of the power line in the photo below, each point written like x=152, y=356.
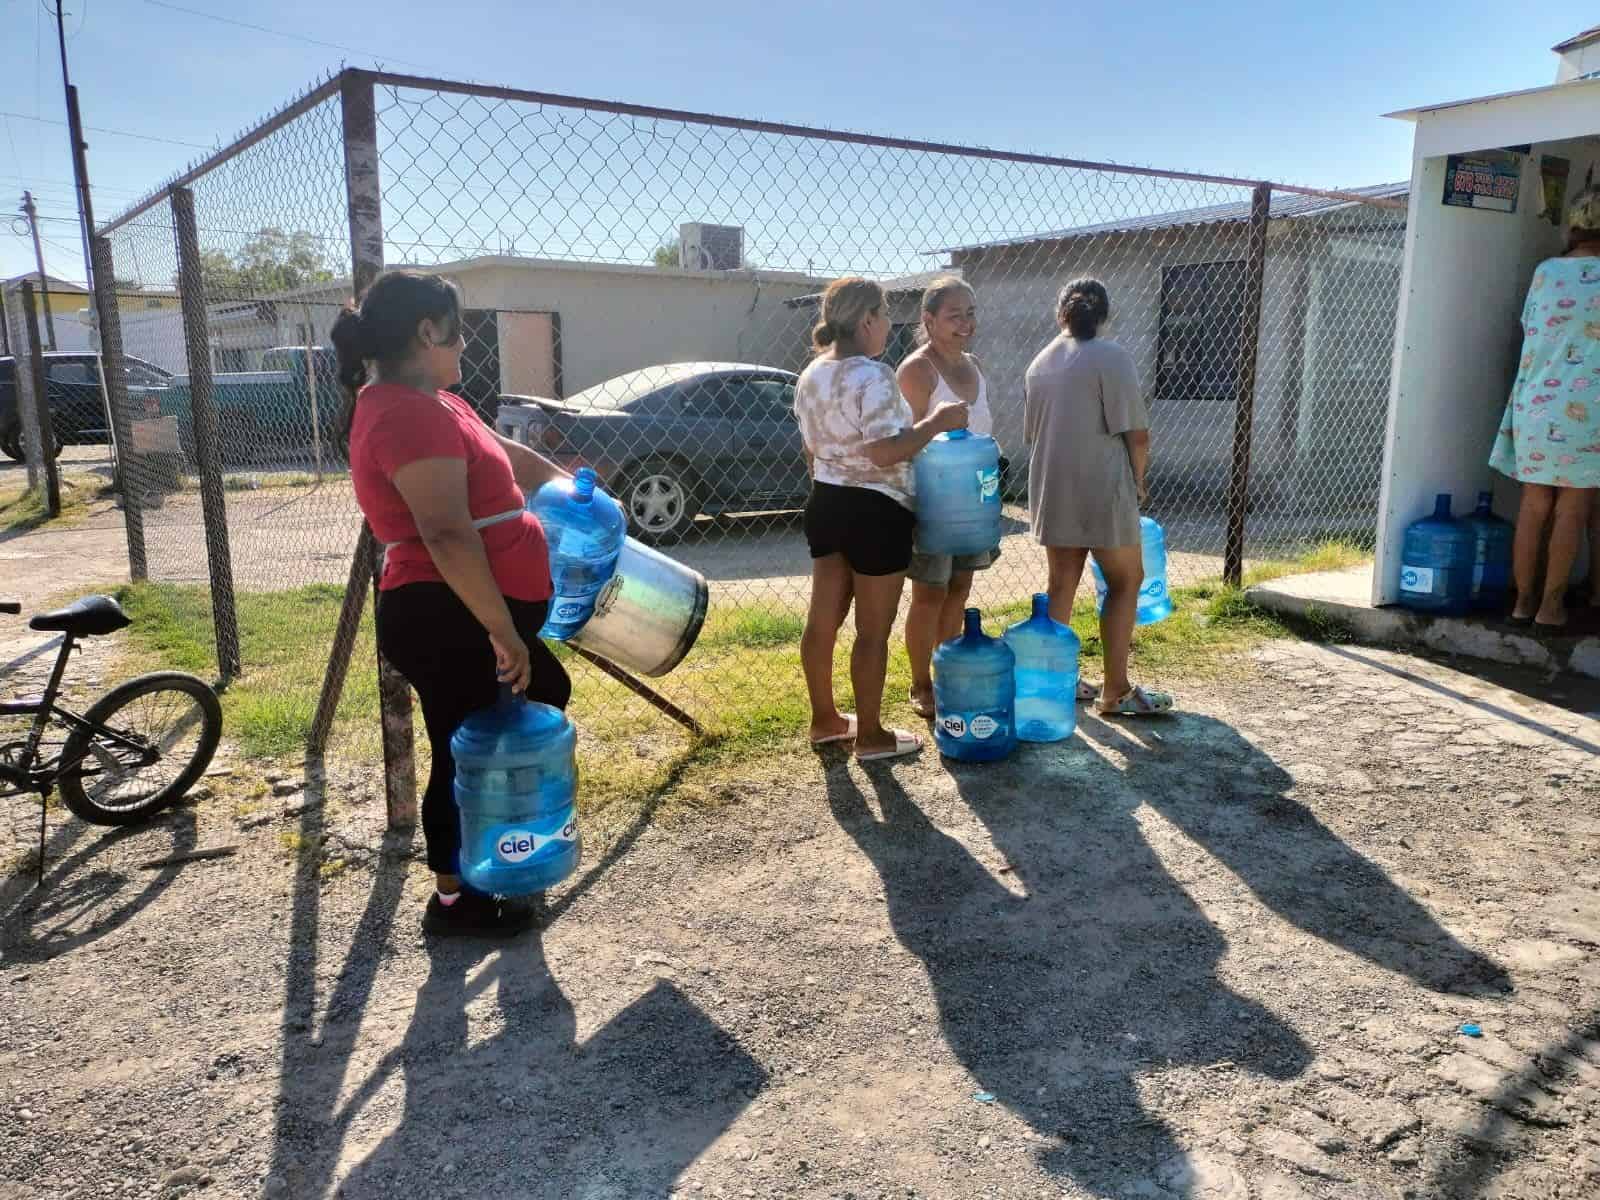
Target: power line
x=297, y=37
x=143, y=137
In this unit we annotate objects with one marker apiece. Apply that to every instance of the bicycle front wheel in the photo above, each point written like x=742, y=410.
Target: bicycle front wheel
x=152, y=738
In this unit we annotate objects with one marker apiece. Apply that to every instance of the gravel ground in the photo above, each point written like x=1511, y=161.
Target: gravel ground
x=1225, y=956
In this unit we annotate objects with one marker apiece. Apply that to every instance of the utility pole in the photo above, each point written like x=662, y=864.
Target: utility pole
x=80, y=165
x=29, y=211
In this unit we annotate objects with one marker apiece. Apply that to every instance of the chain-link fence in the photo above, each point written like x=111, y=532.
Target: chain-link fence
x=640, y=286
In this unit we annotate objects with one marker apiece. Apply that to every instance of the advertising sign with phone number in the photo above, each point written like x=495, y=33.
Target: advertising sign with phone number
x=1478, y=181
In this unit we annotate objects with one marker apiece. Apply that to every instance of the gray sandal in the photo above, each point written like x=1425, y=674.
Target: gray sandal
x=1139, y=703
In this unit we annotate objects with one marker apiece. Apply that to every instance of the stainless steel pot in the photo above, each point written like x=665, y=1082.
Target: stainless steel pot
x=648, y=617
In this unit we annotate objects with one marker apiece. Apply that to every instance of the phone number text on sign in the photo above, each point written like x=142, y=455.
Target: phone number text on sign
x=1482, y=183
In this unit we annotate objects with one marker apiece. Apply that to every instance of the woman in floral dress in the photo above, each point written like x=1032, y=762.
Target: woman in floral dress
x=1549, y=441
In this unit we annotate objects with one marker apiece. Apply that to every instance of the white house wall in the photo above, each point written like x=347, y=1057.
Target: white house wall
x=612, y=322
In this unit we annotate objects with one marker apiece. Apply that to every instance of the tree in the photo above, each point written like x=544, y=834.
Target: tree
x=667, y=255
x=268, y=263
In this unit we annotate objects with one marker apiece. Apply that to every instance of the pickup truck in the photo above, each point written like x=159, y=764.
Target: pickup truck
x=77, y=406
x=267, y=412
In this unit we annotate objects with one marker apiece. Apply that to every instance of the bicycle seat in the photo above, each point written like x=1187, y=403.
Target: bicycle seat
x=88, y=617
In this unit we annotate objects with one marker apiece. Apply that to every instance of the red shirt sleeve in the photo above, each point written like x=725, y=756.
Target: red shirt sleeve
x=409, y=433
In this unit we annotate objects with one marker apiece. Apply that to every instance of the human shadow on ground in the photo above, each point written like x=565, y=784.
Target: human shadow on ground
x=1237, y=809
x=531, y=1111
x=1080, y=964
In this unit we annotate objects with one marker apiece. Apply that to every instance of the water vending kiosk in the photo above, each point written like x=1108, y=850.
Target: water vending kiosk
x=1491, y=179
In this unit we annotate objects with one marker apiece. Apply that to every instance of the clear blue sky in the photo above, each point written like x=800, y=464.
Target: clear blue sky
x=1237, y=87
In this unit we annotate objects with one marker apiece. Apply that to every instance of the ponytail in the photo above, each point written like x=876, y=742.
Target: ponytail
x=383, y=327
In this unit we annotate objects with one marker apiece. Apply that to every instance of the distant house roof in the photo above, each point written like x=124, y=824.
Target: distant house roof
x=900, y=285
x=1284, y=204
x=56, y=285
x=1581, y=39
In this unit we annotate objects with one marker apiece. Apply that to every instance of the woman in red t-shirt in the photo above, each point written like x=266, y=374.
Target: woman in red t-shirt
x=466, y=577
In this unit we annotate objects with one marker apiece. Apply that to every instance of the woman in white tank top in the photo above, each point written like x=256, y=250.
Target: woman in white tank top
x=941, y=370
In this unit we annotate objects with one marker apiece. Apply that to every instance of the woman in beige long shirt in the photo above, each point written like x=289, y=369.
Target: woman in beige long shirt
x=1089, y=437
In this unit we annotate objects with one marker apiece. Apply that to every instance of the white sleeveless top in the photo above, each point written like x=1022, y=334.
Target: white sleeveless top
x=979, y=419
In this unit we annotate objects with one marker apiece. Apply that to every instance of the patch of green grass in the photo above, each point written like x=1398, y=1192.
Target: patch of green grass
x=274, y=479
x=1330, y=554
x=743, y=682
x=24, y=508
x=751, y=628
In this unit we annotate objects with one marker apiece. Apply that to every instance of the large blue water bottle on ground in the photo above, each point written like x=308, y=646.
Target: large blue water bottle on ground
x=1437, y=559
x=1047, y=675
x=517, y=787
x=585, y=529
x=958, y=494
x=1155, y=602
x=1491, y=546
x=974, y=695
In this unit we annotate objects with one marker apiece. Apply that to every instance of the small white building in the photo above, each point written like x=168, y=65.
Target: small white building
x=1470, y=252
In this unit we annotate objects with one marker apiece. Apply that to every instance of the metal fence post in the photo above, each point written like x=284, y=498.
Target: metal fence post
x=364, y=199
x=1244, y=412
x=114, y=372
x=33, y=403
x=207, y=442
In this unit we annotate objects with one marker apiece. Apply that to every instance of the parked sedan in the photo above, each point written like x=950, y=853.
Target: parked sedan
x=77, y=406
x=677, y=441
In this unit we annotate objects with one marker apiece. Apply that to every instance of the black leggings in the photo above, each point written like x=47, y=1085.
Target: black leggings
x=437, y=644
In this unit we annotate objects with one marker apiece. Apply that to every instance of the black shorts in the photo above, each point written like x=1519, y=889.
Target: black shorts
x=871, y=530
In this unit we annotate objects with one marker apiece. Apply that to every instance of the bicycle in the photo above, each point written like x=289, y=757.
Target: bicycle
x=109, y=768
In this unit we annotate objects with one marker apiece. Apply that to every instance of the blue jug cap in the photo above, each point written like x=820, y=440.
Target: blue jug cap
x=955, y=435
x=1041, y=604
x=1441, y=504
x=973, y=622
x=583, y=484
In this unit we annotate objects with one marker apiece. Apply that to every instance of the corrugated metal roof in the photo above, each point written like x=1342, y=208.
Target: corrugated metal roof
x=1284, y=204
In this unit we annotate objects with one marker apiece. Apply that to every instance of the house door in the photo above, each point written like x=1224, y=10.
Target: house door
x=529, y=362
x=480, y=361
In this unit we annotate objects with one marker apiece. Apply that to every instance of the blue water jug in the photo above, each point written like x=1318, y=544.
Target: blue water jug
x=1491, y=545
x=584, y=528
x=1047, y=675
x=974, y=695
x=958, y=494
x=1155, y=602
x=517, y=785
x=1437, y=559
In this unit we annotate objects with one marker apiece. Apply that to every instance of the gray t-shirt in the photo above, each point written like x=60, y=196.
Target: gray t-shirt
x=1081, y=397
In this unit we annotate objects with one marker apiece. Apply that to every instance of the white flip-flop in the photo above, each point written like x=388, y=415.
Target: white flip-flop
x=847, y=735
x=905, y=744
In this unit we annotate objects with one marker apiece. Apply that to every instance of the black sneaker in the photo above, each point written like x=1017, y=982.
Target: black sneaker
x=476, y=915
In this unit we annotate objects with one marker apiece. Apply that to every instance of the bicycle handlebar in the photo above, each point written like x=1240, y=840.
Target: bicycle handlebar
x=10, y=606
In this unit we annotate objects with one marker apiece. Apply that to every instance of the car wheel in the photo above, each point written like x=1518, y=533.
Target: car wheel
x=659, y=497
x=11, y=443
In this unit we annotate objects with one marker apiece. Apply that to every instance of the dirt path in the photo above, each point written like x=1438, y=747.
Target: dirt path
x=1227, y=956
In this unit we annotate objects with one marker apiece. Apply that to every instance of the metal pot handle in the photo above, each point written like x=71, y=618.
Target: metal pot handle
x=608, y=596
